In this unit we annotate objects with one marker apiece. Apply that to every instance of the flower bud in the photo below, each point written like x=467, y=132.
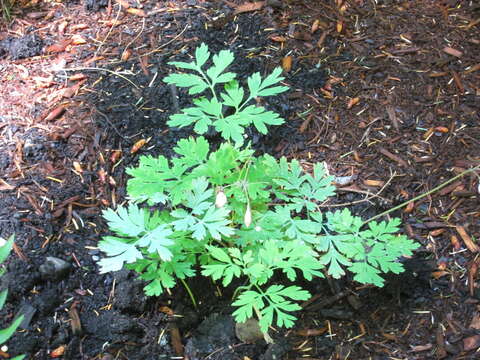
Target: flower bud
x=247, y=219
x=221, y=199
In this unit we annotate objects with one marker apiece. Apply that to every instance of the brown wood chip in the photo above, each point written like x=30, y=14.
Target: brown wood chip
x=467, y=239
x=393, y=157
x=451, y=51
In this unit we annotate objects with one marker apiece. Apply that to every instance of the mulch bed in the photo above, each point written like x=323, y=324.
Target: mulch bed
x=385, y=92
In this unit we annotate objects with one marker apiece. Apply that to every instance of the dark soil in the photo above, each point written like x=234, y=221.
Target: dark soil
x=385, y=92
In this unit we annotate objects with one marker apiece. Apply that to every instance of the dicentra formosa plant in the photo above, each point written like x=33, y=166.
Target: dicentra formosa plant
x=237, y=215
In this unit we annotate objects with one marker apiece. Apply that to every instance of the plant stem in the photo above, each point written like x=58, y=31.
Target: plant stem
x=190, y=293
x=421, y=196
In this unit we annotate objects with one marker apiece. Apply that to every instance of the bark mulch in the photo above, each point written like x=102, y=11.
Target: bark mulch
x=385, y=92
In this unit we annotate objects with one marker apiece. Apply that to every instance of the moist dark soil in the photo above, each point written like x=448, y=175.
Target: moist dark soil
x=386, y=93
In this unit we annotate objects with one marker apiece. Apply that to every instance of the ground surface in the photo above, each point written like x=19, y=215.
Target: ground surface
x=385, y=92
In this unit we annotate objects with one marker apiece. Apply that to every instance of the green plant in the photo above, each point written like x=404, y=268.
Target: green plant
x=211, y=112
x=6, y=6
x=5, y=334
x=237, y=215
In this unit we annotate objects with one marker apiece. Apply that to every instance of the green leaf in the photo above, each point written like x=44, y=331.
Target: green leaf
x=195, y=83
x=220, y=62
x=216, y=222
x=201, y=55
x=128, y=222
x=5, y=334
x=234, y=94
x=196, y=199
x=157, y=240
x=259, y=88
x=193, y=151
x=259, y=117
x=230, y=128
x=191, y=116
x=5, y=248
x=119, y=253
x=211, y=107
x=218, y=254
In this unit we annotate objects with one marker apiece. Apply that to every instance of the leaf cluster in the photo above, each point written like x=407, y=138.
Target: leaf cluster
x=212, y=111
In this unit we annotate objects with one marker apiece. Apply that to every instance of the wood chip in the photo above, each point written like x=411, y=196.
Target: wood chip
x=287, y=63
x=451, y=51
x=467, y=239
x=471, y=342
x=393, y=157
x=137, y=12
x=375, y=183
x=5, y=186
x=247, y=7
x=55, y=113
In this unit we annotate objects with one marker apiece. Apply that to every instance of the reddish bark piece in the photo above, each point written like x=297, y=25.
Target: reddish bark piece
x=451, y=51
x=374, y=183
x=123, y=3
x=137, y=12
x=55, y=113
x=247, y=7
x=393, y=157
x=287, y=63
x=58, y=47
x=352, y=102
x=471, y=342
x=78, y=40
x=467, y=239
x=58, y=352
x=278, y=38
x=5, y=186
x=138, y=145
x=77, y=77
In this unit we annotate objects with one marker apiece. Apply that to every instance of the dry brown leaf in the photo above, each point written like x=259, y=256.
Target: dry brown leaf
x=247, y=7
x=287, y=63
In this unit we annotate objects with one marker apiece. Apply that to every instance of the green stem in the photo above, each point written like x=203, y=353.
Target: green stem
x=190, y=293
x=421, y=196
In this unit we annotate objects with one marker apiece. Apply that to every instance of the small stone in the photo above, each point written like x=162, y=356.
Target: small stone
x=249, y=331
x=54, y=268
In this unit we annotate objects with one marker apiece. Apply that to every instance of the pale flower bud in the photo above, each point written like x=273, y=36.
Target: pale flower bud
x=247, y=219
x=221, y=199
